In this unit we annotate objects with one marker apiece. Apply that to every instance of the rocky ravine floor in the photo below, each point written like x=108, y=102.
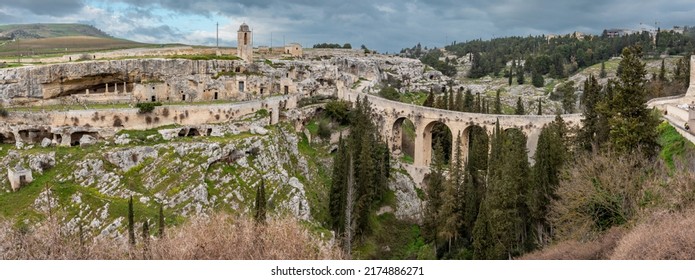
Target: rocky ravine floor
x=89, y=187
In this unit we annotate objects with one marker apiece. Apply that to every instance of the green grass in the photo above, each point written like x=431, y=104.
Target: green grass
x=313, y=127
x=417, y=98
x=407, y=159
x=673, y=145
x=393, y=239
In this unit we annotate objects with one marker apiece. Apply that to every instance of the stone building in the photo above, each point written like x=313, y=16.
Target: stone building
x=19, y=177
x=294, y=49
x=244, y=43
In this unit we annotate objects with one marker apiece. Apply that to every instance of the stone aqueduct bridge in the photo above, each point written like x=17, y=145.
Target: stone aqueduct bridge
x=391, y=114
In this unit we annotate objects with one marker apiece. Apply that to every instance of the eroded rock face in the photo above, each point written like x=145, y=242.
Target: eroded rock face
x=182, y=79
x=129, y=158
x=42, y=162
x=87, y=140
x=409, y=205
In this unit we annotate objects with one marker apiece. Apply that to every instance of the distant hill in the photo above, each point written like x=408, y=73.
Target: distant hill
x=57, y=39
x=49, y=30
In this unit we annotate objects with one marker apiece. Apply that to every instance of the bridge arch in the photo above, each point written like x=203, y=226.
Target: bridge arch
x=424, y=144
x=475, y=146
x=402, y=137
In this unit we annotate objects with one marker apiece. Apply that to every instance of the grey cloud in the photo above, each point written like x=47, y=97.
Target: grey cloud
x=389, y=25
x=42, y=7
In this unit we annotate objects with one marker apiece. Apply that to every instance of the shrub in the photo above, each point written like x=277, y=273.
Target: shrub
x=599, y=192
x=147, y=107
x=389, y=93
x=3, y=112
x=338, y=110
x=663, y=237
x=324, y=131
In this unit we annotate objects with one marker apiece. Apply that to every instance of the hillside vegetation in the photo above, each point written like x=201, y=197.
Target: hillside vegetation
x=57, y=39
x=49, y=30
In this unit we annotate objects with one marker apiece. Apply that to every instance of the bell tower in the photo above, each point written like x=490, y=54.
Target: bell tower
x=244, y=47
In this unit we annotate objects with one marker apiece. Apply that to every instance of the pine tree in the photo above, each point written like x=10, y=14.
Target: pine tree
x=131, y=222
x=498, y=103
x=519, y=107
x=260, y=212
x=603, y=73
x=632, y=124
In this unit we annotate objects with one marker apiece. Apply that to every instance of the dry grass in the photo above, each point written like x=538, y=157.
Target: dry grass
x=59, y=45
x=666, y=236
x=598, y=249
x=219, y=237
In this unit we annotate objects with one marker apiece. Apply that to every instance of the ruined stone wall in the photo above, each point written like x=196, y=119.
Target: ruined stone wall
x=691, y=88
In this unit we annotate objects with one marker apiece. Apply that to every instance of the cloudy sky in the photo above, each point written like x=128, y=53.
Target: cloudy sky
x=384, y=25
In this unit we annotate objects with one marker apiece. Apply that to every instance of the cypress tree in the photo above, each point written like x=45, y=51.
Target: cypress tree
x=429, y=101
x=452, y=207
x=510, y=77
x=435, y=186
x=519, y=107
x=459, y=103
x=338, y=194
x=478, y=104
x=451, y=100
x=549, y=159
x=161, y=221
x=468, y=101
x=498, y=103
x=603, y=73
x=587, y=135
x=662, y=72
x=520, y=75
x=540, y=107
x=145, y=239
x=260, y=203
x=131, y=222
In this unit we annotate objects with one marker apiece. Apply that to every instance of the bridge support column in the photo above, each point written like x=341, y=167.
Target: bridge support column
x=115, y=88
x=107, y=88
x=423, y=147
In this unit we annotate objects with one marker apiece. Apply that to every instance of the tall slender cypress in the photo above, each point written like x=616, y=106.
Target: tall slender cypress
x=131, y=222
